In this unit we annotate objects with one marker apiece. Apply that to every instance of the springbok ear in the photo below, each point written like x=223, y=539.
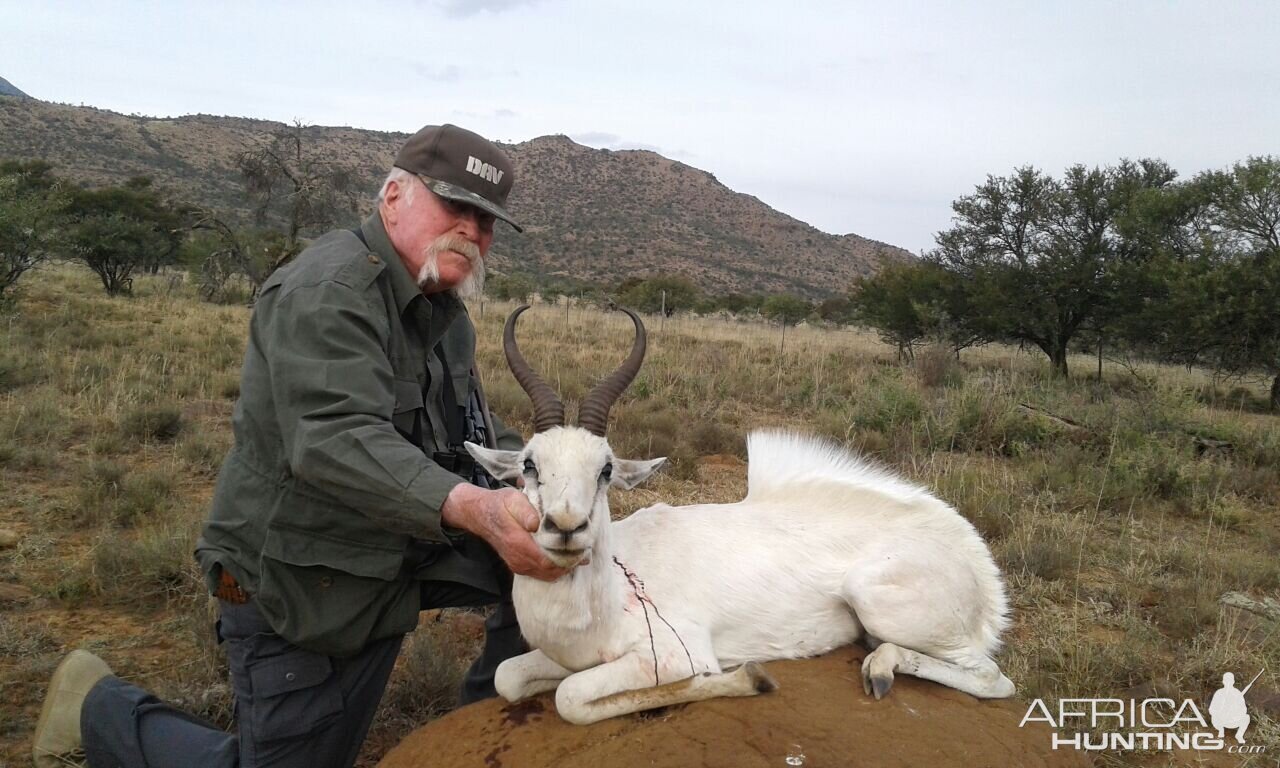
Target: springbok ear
x=503, y=465
x=628, y=473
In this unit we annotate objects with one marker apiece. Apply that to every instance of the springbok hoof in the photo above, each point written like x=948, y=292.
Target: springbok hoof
x=880, y=686
x=761, y=681
x=877, y=671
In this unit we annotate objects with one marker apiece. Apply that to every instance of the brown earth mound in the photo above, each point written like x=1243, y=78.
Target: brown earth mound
x=819, y=717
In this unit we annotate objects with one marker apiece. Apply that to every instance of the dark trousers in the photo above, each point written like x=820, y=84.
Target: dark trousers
x=293, y=707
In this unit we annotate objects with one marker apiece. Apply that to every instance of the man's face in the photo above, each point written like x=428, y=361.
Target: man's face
x=441, y=242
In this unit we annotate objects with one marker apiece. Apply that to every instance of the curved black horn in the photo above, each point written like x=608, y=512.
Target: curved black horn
x=594, y=414
x=548, y=411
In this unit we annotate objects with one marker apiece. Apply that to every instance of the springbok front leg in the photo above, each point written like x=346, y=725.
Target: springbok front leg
x=625, y=686
x=528, y=675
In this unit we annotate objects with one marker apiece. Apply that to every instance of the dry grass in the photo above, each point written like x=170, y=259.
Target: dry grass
x=1117, y=540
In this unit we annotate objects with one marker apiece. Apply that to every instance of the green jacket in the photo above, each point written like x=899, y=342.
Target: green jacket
x=319, y=499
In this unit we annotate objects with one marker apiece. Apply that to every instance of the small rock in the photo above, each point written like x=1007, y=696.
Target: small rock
x=8, y=538
x=1267, y=606
x=14, y=593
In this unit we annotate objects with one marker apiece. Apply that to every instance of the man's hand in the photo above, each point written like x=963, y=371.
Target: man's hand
x=504, y=518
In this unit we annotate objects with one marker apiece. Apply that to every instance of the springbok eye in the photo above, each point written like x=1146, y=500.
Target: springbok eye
x=529, y=467
x=606, y=474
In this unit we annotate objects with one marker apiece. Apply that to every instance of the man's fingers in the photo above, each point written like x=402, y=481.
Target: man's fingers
x=524, y=557
x=520, y=510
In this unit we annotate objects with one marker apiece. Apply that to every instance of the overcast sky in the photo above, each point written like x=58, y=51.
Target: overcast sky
x=866, y=117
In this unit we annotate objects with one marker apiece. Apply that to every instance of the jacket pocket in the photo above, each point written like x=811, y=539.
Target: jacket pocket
x=293, y=694
x=334, y=596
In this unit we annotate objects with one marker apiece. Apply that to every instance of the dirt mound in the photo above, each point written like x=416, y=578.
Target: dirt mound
x=820, y=717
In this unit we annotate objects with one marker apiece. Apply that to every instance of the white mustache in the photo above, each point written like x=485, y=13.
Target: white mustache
x=457, y=245
x=430, y=272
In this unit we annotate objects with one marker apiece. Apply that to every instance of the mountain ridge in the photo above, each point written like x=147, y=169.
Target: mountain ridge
x=597, y=215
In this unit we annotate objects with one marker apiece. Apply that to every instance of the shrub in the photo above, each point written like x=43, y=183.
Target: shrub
x=992, y=510
x=711, y=437
x=111, y=494
x=204, y=453
x=1186, y=605
x=1044, y=551
x=15, y=372
x=936, y=366
x=149, y=571
x=887, y=405
x=162, y=424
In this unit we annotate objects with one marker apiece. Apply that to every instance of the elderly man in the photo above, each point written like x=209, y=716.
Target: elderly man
x=344, y=507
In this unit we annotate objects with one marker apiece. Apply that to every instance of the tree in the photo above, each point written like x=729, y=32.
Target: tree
x=1041, y=259
x=1210, y=295
x=32, y=202
x=516, y=288
x=296, y=187
x=1245, y=202
x=739, y=303
x=787, y=309
x=666, y=293
x=909, y=303
x=838, y=310
x=118, y=230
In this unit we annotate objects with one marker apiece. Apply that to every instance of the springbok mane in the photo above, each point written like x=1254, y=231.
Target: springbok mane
x=779, y=461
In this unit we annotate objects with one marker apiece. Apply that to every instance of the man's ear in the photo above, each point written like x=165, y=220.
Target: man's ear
x=503, y=465
x=628, y=473
x=390, y=206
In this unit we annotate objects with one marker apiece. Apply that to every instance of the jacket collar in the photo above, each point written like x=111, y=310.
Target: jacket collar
x=404, y=289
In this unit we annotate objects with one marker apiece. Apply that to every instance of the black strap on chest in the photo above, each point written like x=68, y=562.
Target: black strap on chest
x=453, y=426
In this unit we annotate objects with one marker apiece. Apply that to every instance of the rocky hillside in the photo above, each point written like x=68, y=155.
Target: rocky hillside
x=592, y=214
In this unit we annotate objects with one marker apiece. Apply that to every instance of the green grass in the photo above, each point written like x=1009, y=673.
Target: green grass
x=1116, y=535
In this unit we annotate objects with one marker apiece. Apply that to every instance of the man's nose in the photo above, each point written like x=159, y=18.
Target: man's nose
x=468, y=225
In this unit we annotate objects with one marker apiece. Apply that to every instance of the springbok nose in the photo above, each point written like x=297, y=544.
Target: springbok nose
x=550, y=526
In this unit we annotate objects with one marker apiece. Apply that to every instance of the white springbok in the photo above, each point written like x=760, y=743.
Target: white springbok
x=825, y=549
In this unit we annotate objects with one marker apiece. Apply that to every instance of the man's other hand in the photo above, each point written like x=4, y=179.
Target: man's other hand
x=504, y=518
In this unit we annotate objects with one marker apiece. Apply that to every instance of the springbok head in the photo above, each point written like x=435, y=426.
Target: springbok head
x=567, y=470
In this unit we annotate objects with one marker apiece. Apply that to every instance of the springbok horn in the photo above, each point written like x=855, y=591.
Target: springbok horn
x=548, y=411
x=594, y=414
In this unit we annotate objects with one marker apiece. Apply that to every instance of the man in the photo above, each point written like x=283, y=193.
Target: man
x=336, y=516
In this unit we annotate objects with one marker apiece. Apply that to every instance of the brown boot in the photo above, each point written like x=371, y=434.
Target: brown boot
x=58, y=730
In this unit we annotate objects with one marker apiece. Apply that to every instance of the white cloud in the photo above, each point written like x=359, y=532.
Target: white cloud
x=464, y=8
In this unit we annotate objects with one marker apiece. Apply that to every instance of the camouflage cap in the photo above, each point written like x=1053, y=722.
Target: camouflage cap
x=460, y=165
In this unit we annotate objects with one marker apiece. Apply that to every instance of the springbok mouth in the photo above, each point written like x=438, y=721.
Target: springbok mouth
x=564, y=552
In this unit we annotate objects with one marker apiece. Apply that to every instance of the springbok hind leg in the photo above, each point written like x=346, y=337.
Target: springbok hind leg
x=626, y=685
x=981, y=677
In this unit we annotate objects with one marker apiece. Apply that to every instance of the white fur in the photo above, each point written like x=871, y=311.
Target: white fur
x=825, y=549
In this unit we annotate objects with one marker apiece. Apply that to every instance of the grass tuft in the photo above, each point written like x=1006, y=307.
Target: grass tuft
x=157, y=423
